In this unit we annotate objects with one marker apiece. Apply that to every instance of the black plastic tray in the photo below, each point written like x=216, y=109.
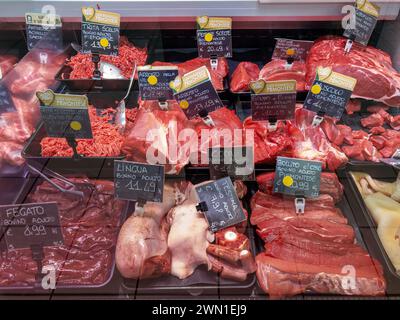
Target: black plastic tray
x=30, y=183
x=366, y=221
x=201, y=282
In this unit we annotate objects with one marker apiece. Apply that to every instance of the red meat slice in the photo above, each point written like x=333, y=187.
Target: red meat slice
x=275, y=70
x=217, y=76
x=359, y=134
x=346, y=132
x=378, y=141
x=353, y=106
x=7, y=62
x=395, y=122
x=376, y=78
x=377, y=130
x=244, y=73
x=332, y=132
x=374, y=120
x=362, y=150
x=280, y=278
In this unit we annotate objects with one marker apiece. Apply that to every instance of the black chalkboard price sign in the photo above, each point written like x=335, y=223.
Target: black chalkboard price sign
x=297, y=177
x=43, y=31
x=65, y=115
x=6, y=103
x=363, y=22
x=330, y=93
x=289, y=48
x=214, y=37
x=195, y=93
x=138, y=181
x=100, y=31
x=155, y=82
x=220, y=204
x=30, y=224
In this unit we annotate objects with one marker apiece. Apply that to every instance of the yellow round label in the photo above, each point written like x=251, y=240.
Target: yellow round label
x=104, y=42
x=152, y=80
x=316, y=89
x=184, y=104
x=290, y=52
x=75, y=125
x=171, y=84
x=208, y=37
x=287, y=181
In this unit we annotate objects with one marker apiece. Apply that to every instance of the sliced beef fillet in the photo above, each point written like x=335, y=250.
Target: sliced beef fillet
x=244, y=73
x=376, y=78
x=277, y=70
x=281, y=278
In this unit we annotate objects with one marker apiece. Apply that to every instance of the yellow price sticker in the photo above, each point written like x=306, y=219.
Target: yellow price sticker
x=316, y=89
x=104, y=42
x=287, y=181
x=75, y=125
x=152, y=80
x=184, y=104
x=290, y=52
x=209, y=37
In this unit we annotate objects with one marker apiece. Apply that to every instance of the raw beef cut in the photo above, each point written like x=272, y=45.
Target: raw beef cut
x=280, y=278
x=7, y=62
x=89, y=227
x=217, y=76
x=83, y=67
x=374, y=120
x=276, y=70
x=154, y=136
x=311, y=251
x=376, y=78
x=244, y=73
x=353, y=105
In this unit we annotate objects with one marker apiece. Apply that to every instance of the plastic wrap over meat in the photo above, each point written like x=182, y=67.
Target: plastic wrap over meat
x=35, y=72
x=89, y=228
x=83, y=67
x=376, y=77
x=217, y=76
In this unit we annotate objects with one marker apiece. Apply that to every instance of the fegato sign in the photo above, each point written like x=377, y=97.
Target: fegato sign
x=100, y=31
x=65, y=115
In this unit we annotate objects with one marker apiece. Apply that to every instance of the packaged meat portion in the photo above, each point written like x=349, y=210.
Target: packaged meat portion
x=128, y=55
x=172, y=238
x=89, y=227
x=7, y=62
x=217, y=76
x=376, y=78
x=313, y=252
x=244, y=73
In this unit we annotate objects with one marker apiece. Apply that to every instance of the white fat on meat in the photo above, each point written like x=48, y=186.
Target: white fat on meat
x=143, y=236
x=188, y=239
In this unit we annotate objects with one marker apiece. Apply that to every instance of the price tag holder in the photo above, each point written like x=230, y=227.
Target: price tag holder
x=297, y=177
x=31, y=224
x=196, y=94
x=43, y=31
x=289, y=48
x=65, y=115
x=273, y=100
x=234, y=162
x=100, y=31
x=138, y=181
x=363, y=23
x=6, y=102
x=155, y=82
x=220, y=204
x=214, y=37
x=330, y=93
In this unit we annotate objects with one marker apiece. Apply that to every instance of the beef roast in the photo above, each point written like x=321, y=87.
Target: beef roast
x=244, y=73
x=278, y=70
x=376, y=77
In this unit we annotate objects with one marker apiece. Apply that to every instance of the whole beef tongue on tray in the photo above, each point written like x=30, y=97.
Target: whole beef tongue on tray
x=376, y=77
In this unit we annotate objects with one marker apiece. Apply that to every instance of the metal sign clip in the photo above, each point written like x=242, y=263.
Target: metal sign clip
x=300, y=204
x=317, y=120
x=214, y=62
x=202, y=207
x=163, y=104
x=272, y=124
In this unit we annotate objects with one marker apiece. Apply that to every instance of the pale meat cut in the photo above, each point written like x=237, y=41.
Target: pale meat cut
x=278, y=70
x=376, y=78
x=142, y=249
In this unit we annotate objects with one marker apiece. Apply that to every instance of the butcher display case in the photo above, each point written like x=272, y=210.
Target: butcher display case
x=241, y=149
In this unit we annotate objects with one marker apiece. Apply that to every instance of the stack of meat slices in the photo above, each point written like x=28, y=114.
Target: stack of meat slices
x=313, y=252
